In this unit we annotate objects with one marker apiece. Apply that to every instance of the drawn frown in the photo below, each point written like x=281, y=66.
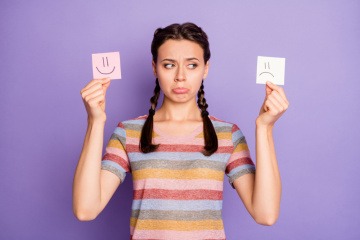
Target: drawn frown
x=270, y=69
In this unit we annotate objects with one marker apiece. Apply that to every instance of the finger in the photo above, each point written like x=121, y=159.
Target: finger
x=95, y=81
x=93, y=95
x=283, y=95
x=98, y=84
x=94, y=102
x=105, y=87
x=277, y=105
x=268, y=90
x=269, y=105
x=94, y=88
x=278, y=89
x=90, y=84
x=274, y=106
x=273, y=86
x=276, y=95
x=265, y=107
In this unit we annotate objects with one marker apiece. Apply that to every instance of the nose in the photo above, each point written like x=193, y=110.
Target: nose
x=180, y=74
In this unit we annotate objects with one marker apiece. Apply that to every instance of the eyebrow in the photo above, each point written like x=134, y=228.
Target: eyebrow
x=187, y=59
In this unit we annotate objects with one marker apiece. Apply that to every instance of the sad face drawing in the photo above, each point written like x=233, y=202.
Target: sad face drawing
x=270, y=69
x=267, y=70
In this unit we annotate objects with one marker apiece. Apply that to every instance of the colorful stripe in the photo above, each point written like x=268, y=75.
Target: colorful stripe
x=180, y=205
x=179, y=235
x=178, y=194
x=176, y=215
x=177, y=190
x=178, y=184
x=199, y=173
x=153, y=224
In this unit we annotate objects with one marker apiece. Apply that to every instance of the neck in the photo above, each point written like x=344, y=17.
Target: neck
x=178, y=111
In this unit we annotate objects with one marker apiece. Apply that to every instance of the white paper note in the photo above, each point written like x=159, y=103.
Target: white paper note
x=106, y=65
x=270, y=69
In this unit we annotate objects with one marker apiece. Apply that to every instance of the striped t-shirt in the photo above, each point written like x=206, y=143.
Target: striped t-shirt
x=178, y=191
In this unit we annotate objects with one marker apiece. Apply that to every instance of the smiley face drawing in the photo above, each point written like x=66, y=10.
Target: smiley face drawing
x=270, y=69
x=106, y=65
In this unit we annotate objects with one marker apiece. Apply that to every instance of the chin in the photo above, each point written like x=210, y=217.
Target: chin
x=180, y=99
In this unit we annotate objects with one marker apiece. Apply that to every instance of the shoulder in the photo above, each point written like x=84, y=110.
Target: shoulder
x=221, y=124
x=131, y=127
x=230, y=130
x=133, y=123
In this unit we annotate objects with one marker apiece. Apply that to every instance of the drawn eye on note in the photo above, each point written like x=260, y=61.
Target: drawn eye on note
x=270, y=69
x=106, y=65
x=267, y=69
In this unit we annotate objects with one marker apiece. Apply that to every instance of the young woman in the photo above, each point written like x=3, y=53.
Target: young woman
x=178, y=154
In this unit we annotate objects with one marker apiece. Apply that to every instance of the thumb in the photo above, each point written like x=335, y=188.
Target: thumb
x=105, y=85
x=268, y=88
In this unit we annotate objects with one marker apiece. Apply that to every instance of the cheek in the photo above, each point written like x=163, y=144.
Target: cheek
x=164, y=74
x=164, y=84
x=198, y=79
x=198, y=85
x=199, y=73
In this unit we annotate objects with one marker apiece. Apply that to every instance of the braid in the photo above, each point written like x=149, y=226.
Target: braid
x=210, y=137
x=201, y=99
x=154, y=99
x=146, y=145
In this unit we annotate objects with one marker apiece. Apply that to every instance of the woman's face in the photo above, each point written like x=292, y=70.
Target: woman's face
x=180, y=69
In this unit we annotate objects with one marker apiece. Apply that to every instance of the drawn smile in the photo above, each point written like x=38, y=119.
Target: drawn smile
x=105, y=72
x=105, y=65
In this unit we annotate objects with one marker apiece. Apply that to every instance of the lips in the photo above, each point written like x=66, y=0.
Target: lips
x=180, y=90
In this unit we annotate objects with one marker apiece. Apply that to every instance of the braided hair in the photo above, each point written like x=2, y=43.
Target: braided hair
x=191, y=32
x=211, y=143
x=146, y=145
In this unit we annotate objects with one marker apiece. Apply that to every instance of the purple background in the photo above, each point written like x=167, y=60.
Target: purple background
x=45, y=58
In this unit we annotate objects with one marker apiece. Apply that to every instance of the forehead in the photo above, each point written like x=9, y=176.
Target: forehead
x=180, y=48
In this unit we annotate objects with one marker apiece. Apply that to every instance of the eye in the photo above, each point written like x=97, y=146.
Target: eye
x=192, y=65
x=169, y=65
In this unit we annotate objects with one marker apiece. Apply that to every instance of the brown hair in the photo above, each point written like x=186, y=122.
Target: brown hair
x=191, y=32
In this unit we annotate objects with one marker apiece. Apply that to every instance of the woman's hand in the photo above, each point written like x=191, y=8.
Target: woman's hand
x=93, y=95
x=275, y=104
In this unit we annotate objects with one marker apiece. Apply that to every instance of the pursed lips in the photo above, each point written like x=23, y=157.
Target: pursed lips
x=179, y=90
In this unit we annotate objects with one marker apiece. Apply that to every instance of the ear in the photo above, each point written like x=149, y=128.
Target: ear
x=206, y=69
x=154, y=68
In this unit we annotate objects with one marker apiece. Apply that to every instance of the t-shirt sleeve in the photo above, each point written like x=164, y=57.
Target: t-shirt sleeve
x=115, y=158
x=240, y=161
